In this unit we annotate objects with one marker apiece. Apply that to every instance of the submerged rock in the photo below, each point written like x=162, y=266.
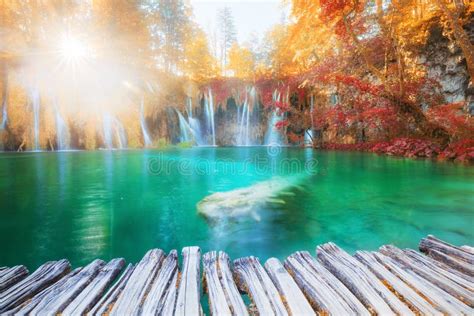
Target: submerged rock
x=248, y=201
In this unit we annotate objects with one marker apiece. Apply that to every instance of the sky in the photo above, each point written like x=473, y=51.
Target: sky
x=249, y=15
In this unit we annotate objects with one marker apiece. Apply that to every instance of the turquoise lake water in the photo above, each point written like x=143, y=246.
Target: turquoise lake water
x=106, y=204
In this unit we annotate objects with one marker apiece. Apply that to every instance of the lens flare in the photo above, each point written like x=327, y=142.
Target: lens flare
x=73, y=50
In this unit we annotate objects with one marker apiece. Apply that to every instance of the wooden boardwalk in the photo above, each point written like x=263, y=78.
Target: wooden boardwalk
x=391, y=281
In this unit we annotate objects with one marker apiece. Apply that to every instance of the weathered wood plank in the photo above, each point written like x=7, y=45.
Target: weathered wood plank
x=28, y=306
x=155, y=299
x=454, y=275
x=132, y=296
x=252, y=278
x=93, y=292
x=441, y=300
x=10, y=276
x=429, y=273
x=236, y=304
x=43, y=277
x=57, y=300
x=403, y=291
x=295, y=301
x=217, y=298
x=188, y=300
x=104, y=305
x=324, y=291
x=468, y=249
x=363, y=283
x=452, y=262
x=170, y=298
x=432, y=243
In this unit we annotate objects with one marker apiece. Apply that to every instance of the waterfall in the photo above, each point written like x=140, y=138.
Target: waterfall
x=113, y=126
x=308, y=135
x=186, y=134
x=107, y=126
x=121, y=135
x=36, y=109
x=243, y=136
x=189, y=107
x=209, y=112
x=146, y=136
x=62, y=131
x=4, y=115
x=273, y=136
x=194, y=123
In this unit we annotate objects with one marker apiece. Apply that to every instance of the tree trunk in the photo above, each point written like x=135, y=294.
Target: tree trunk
x=404, y=106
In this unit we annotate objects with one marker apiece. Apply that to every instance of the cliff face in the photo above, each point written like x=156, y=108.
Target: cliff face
x=445, y=63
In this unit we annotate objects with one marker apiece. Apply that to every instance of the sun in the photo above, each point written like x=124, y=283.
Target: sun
x=73, y=50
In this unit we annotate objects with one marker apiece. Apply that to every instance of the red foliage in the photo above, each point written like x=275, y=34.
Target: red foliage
x=408, y=147
x=403, y=147
x=281, y=124
x=462, y=151
x=360, y=85
x=453, y=119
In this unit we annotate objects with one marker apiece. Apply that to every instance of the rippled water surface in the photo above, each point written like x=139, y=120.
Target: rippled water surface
x=87, y=205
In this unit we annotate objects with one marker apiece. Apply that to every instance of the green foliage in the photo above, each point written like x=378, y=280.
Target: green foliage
x=161, y=143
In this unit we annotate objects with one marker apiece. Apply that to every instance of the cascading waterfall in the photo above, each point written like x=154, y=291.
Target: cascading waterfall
x=35, y=99
x=146, y=136
x=194, y=123
x=62, y=131
x=107, y=126
x=273, y=137
x=308, y=135
x=186, y=133
x=121, y=135
x=243, y=138
x=4, y=114
x=209, y=112
x=113, y=126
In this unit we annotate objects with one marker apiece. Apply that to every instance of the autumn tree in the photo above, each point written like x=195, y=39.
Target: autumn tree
x=199, y=64
x=241, y=62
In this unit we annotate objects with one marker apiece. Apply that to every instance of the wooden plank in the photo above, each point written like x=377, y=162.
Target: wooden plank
x=10, y=276
x=294, y=299
x=403, y=291
x=468, y=249
x=432, y=243
x=252, y=278
x=104, y=305
x=217, y=298
x=454, y=275
x=452, y=262
x=56, y=301
x=26, y=308
x=93, y=292
x=224, y=297
x=236, y=304
x=188, y=300
x=360, y=281
x=441, y=300
x=170, y=298
x=155, y=299
x=324, y=291
x=132, y=296
x=429, y=273
x=43, y=277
